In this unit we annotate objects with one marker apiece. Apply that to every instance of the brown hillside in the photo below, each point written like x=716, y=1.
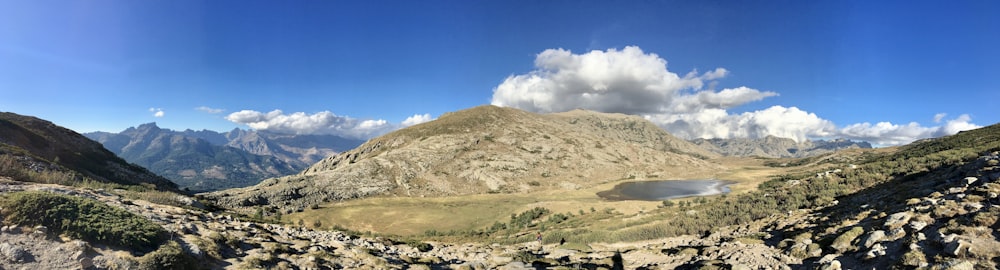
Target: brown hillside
x=489, y=149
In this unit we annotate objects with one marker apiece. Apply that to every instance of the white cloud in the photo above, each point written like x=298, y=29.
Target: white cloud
x=157, y=112
x=885, y=133
x=417, y=119
x=209, y=109
x=634, y=82
x=938, y=117
x=324, y=122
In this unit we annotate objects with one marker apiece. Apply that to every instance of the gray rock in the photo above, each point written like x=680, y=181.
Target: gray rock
x=516, y=266
x=917, y=225
x=961, y=265
x=876, y=251
x=874, y=237
x=13, y=253
x=956, y=247
x=970, y=180
x=897, y=220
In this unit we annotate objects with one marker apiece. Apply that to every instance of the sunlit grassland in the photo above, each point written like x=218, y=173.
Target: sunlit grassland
x=465, y=218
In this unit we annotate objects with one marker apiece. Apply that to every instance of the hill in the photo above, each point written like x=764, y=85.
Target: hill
x=207, y=160
x=487, y=149
x=775, y=147
x=29, y=145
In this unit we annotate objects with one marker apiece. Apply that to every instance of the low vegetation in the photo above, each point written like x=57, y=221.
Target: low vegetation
x=82, y=218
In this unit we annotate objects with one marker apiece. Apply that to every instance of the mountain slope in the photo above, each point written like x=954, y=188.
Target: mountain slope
x=43, y=146
x=488, y=149
x=192, y=162
x=776, y=147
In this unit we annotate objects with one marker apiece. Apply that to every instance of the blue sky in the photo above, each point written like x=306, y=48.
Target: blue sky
x=362, y=68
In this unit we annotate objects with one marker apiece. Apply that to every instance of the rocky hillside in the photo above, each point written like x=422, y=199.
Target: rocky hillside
x=487, y=149
x=775, y=147
x=31, y=147
x=191, y=162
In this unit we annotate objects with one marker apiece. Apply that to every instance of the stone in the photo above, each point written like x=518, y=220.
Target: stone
x=970, y=180
x=832, y=265
x=516, y=266
x=960, y=265
x=13, y=253
x=917, y=225
x=876, y=251
x=956, y=247
x=897, y=220
x=874, y=237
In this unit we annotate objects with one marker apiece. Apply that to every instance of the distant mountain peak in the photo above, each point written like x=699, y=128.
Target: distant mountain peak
x=776, y=147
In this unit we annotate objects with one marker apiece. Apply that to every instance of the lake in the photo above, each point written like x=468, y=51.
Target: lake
x=665, y=189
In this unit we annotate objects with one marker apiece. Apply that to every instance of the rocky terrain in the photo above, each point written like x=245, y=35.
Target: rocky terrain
x=224, y=241
x=775, y=147
x=952, y=228
x=487, y=149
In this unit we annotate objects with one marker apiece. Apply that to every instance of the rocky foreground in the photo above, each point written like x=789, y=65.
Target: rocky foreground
x=223, y=241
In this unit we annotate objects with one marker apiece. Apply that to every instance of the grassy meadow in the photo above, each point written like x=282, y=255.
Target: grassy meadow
x=573, y=214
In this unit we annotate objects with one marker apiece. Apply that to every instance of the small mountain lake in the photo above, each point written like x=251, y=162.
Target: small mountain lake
x=659, y=190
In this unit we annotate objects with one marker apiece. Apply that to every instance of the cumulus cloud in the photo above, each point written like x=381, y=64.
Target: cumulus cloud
x=209, y=110
x=885, y=133
x=417, y=119
x=157, y=112
x=635, y=82
x=324, y=122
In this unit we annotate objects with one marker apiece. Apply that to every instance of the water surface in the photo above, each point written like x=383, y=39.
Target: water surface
x=659, y=190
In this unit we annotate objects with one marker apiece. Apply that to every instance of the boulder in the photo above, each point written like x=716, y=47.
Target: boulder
x=876, y=251
x=13, y=253
x=874, y=237
x=956, y=247
x=897, y=220
x=968, y=181
x=917, y=225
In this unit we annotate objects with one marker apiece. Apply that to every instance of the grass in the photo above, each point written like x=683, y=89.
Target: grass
x=464, y=218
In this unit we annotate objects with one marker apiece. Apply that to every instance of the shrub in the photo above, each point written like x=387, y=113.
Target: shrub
x=85, y=219
x=421, y=246
x=168, y=256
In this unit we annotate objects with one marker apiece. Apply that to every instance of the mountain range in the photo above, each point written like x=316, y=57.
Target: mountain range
x=208, y=160
x=932, y=204
x=775, y=147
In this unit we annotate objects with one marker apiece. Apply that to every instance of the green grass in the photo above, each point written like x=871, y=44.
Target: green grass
x=82, y=218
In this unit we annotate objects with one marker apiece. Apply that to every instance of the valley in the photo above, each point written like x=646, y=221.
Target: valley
x=437, y=196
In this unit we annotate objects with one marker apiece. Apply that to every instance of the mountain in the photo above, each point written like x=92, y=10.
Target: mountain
x=191, y=162
x=775, y=147
x=32, y=146
x=299, y=150
x=488, y=149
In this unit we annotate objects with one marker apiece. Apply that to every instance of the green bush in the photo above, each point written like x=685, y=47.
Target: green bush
x=169, y=256
x=85, y=219
x=421, y=246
